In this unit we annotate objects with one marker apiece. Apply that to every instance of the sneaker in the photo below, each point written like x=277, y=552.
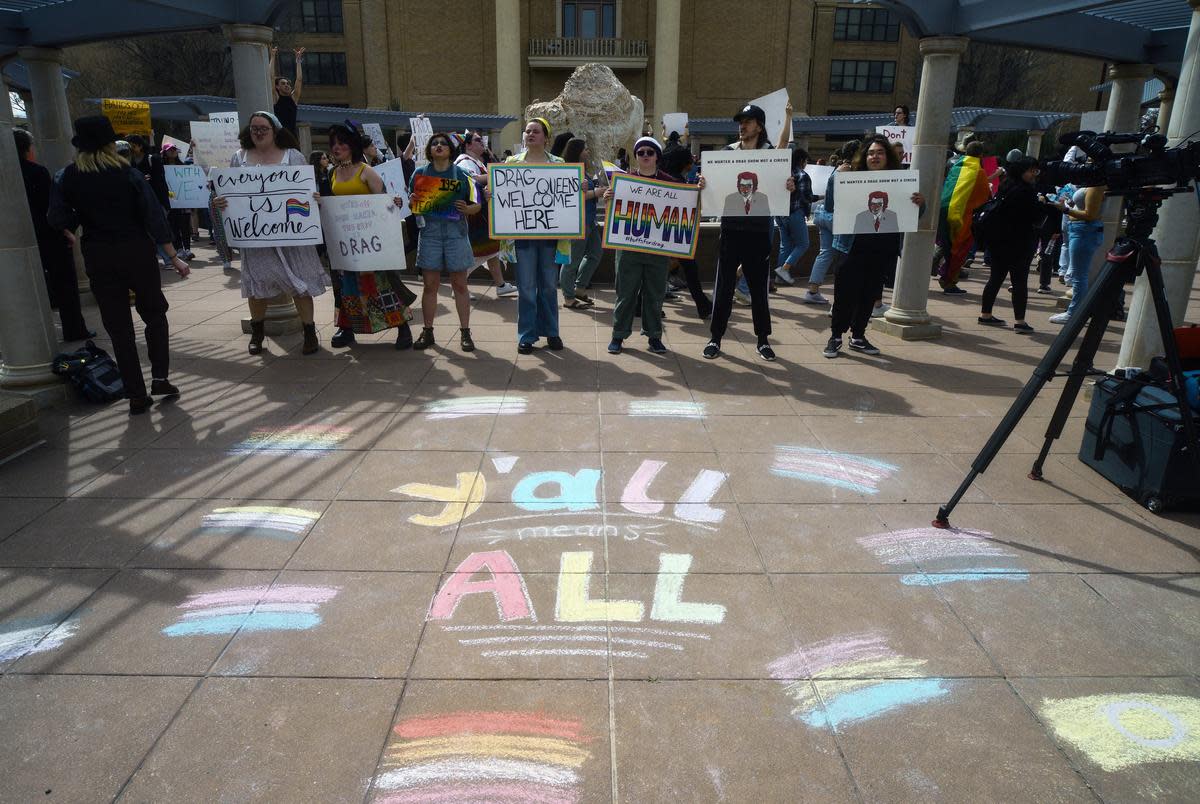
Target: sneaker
x=953, y=290
x=1045, y=290
x=343, y=337
x=525, y=348
x=555, y=343
x=766, y=352
x=1022, y=329
x=465, y=340
x=656, y=346
x=675, y=283
x=741, y=297
x=670, y=295
x=877, y=312
x=584, y=299
x=139, y=405
x=614, y=346
x=833, y=348
x=507, y=289
x=424, y=340
x=784, y=276
x=1060, y=318
x=188, y=254
x=810, y=297
x=712, y=350
x=863, y=345
x=991, y=321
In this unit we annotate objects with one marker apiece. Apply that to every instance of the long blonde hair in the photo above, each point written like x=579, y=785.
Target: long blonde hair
x=104, y=159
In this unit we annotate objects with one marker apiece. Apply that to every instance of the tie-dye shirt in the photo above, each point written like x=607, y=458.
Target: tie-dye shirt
x=432, y=193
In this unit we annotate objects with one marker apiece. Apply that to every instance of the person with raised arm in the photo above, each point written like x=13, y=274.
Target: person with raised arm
x=286, y=93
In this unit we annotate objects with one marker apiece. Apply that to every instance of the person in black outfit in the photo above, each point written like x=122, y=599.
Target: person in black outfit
x=287, y=94
x=122, y=221
x=677, y=161
x=180, y=220
x=1022, y=214
x=58, y=262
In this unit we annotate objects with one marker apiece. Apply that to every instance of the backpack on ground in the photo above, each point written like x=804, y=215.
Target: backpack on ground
x=92, y=372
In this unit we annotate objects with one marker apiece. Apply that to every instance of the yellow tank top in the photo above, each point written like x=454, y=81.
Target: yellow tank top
x=354, y=186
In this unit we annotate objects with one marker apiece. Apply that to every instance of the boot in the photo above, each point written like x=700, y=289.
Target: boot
x=311, y=344
x=343, y=337
x=256, y=337
x=425, y=340
x=404, y=338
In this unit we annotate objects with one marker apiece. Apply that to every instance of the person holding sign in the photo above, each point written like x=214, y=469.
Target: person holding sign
x=180, y=220
x=442, y=194
x=122, y=221
x=367, y=301
x=271, y=271
x=585, y=254
x=471, y=158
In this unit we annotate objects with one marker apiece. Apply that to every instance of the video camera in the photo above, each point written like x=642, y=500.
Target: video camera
x=1151, y=165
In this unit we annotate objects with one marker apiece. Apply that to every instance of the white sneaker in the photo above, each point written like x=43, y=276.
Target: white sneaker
x=472, y=296
x=784, y=276
x=507, y=289
x=878, y=312
x=741, y=297
x=810, y=297
x=1060, y=318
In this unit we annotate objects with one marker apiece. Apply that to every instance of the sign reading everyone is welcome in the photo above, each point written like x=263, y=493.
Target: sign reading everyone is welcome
x=269, y=205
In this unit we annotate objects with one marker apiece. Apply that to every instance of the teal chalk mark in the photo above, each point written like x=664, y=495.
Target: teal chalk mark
x=868, y=702
x=576, y=492
x=256, y=621
x=937, y=579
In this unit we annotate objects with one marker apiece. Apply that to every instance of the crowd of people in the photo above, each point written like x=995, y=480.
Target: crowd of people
x=117, y=192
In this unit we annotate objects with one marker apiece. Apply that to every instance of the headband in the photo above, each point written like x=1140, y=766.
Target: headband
x=274, y=120
x=545, y=124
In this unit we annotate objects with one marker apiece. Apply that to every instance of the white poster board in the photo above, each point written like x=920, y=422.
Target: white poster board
x=216, y=143
x=375, y=132
x=228, y=118
x=363, y=233
x=187, y=186
x=1092, y=121
x=392, y=173
x=180, y=145
x=819, y=174
x=269, y=205
x=674, y=121
x=907, y=135
x=741, y=184
x=422, y=130
x=536, y=201
x=652, y=217
x=875, y=201
x=774, y=106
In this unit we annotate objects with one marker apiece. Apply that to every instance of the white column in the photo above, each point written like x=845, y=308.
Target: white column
x=49, y=112
x=1166, y=100
x=509, y=57
x=27, y=339
x=249, y=47
x=666, y=59
x=1033, y=146
x=1178, y=230
x=908, y=317
x=304, y=132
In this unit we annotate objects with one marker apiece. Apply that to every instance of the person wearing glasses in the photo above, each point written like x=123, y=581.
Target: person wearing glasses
x=443, y=195
x=472, y=158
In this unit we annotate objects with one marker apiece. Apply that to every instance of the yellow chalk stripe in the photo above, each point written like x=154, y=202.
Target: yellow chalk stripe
x=267, y=509
x=538, y=749
x=895, y=667
x=1118, y=731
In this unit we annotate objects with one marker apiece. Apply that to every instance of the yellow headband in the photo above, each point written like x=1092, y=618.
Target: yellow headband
x=545, y=124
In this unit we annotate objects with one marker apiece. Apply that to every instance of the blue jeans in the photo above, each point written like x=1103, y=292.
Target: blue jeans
x=1085, y=239
x=537, y=290
x=793, y=238
x=825, y=256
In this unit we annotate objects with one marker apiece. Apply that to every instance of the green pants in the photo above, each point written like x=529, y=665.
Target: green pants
x=644, y=275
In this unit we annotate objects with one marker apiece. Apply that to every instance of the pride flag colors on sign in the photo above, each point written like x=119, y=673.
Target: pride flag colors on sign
x=653, y=217
x=297, y=207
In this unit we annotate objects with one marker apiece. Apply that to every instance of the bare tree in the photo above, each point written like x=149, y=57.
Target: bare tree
x=1010, y=77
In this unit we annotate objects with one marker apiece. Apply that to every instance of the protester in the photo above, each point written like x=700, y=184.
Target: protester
x=472, y=159
x=180, y=220
x=823, y=218
x=323, y=170
x=287, y=94
x=269, y=271
x=58, y=262
x=585, y=253
x=560, y=143
x=444, y=244
x=151, y=168
x=793, y=229
x=678, y=162
x=1086, y=235
x=869, y=258
x=966, y=187
x=122, y=221
x=901, y=116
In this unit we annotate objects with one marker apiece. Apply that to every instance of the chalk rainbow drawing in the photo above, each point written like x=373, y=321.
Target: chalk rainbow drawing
x=483, y=756
x=1118, y=731
x=252, y=608
x=940, y=554
x=35, y=635
x=667, y=409
x=838, y=469
x=474, y=406
x=855, y=677
x=296, y=438
x=270, y=521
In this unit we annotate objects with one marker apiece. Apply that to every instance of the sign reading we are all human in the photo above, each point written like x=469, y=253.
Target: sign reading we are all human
x=536, y=201
x=652, y=216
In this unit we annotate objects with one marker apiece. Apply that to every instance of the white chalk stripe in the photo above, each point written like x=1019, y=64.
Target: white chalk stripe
x=452, y=770
x=579, y=628
x=505, y=640
x=618, y=654
x=220, y=611
x=255, y=520
x=239, y=513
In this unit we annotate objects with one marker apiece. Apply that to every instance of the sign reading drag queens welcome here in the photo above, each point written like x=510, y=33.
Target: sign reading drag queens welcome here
x=536, y=201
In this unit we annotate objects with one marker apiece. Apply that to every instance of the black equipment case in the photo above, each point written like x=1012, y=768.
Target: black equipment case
x=1134, y=437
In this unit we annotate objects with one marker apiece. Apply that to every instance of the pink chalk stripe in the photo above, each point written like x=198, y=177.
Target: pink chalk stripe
x=515, y=792
x=249, y=595
x=489, y=723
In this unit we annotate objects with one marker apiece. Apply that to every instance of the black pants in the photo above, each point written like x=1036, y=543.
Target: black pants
x=856, y=285
x=1001, y=268
x=691, y=274
x=751, y=250
x=58, y=266
x=1048, y=258
x=181, y=228
x=115, y=269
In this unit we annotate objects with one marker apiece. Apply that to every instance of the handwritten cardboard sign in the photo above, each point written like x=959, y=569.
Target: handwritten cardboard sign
x=740, y=184
x=875, y=202
x=187, y=186
x=127, y=116
x=422, y=130
x=269, y=205
x=228, y=118
x=375, y=132
x=363, y=232
x=652, y=216
x=536, y=201
x=392, y=173
x=907, y=135
x=180, y=145
x=216, y=143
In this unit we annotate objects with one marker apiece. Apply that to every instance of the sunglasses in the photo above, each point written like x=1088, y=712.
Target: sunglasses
x=647, y=152
x=439, y=144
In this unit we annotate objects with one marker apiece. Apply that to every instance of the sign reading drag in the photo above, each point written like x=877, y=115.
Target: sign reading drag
x=535, y=201
x=187, y=186
x=742, y=184
x=875, y=202
x=269, y=205
x=363, y=232
x=652, y=216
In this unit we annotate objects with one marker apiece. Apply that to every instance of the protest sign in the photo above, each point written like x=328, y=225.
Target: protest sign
x=907, y=135
x=180, y=145
x=363, y=233
x=392, y=173
x=652, y=216
x=228, y=118
x=536, y=200
x=674, y=121
x=127, y=116
x=774, y=106
x=741, y=184
x=216, y=143
x=375, y=132
x=875, y=202
x=820, y=177
x=187, y=186
x=422, y=130
x=269, y=205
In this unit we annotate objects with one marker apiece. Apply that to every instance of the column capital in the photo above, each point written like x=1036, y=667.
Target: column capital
x=1167, y=95
x=948, y=45
x=1119, y=71
x=31, y=53
x=249, y=34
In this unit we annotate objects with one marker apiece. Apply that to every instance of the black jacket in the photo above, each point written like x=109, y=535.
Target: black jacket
x=152, y=168
x=112, y=205
x=1023, y=215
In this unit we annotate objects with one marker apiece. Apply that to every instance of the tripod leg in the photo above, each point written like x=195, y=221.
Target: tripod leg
x=1171, y=349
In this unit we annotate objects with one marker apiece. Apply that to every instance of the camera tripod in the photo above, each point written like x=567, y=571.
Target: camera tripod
x=1131, y=254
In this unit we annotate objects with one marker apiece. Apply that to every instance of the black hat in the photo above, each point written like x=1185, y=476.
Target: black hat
x=753, y=112
x=93, y=133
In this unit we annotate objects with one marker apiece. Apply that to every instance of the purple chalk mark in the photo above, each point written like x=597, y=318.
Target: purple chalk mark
x=820, y=656
x=250, y=595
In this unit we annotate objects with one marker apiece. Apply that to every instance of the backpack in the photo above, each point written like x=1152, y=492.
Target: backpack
x=92, y=372
x=987, y=221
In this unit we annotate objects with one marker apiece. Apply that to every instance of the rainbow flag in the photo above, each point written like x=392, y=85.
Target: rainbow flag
x=966, y=187
x=295, y=206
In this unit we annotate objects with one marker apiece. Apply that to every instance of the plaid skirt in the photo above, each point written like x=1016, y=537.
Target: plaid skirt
x=372, y=301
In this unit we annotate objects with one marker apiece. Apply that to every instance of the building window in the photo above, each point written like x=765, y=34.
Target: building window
x=862, y=76
x=321, y=16
x=589, y=20
x=319, y=68
x=866, y=25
